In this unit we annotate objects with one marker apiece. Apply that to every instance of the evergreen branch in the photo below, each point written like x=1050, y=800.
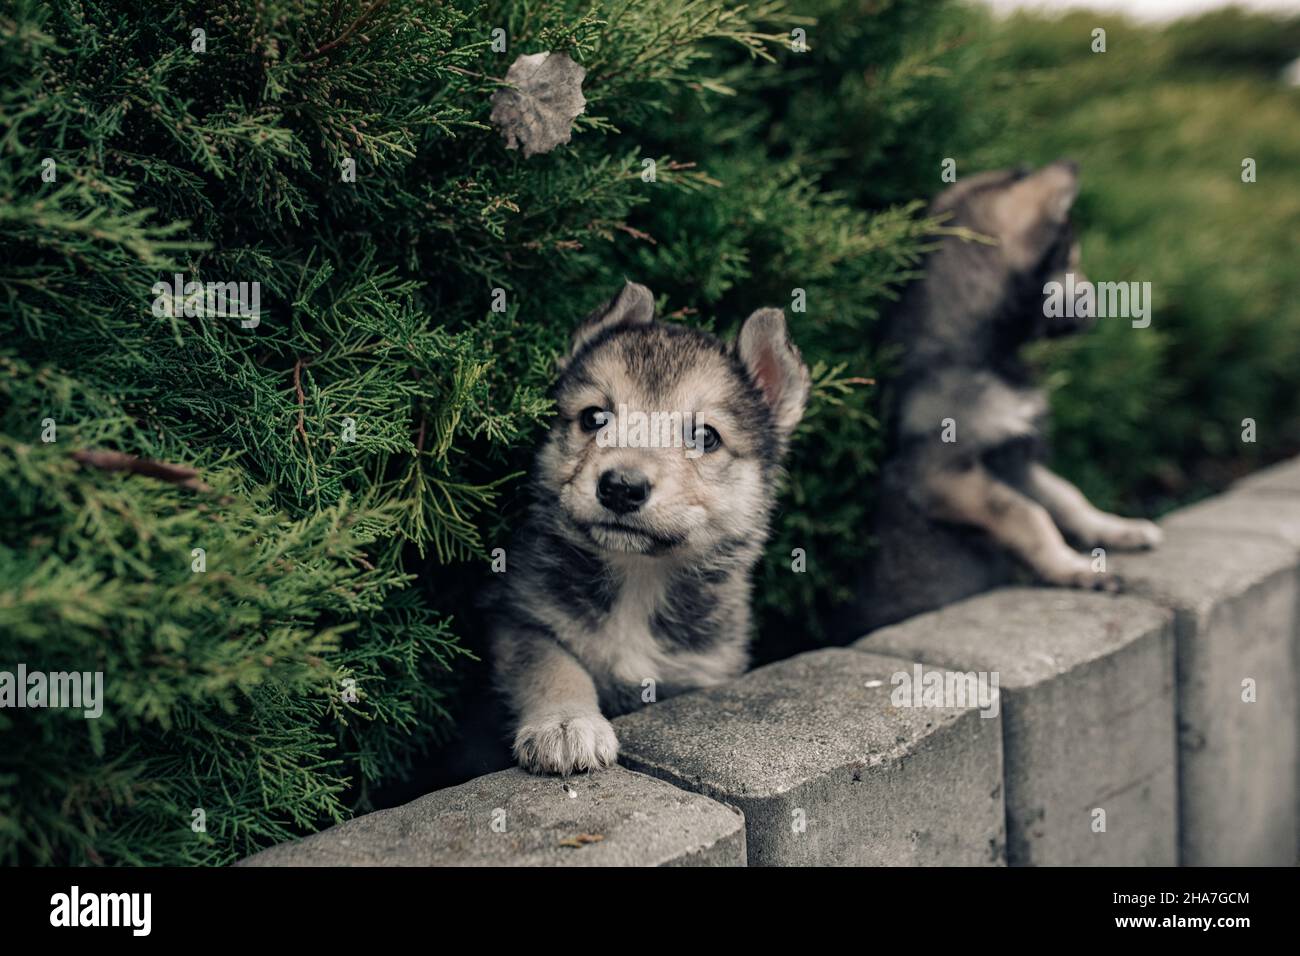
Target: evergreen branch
x=180, y=475
x=302, y=399
x=342, y=38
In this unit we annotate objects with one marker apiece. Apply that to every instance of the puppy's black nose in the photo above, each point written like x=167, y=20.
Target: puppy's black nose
x=623, y=490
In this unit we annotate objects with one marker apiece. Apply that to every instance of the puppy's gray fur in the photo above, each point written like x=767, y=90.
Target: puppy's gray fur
x=953, y=514
x=597, y=606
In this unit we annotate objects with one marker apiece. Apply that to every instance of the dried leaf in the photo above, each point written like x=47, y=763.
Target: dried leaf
x=581, y=840
x=542, y=100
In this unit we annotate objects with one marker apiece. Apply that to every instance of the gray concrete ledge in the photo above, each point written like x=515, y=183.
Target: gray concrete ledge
x=1281, y=479
x=512, y=818
x=827, y=769
x=1269, y=514
x=1087, y=684
x=1235, y=597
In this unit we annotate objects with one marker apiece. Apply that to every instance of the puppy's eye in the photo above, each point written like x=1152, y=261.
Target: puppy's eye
x=592, y=418
x=706, y=439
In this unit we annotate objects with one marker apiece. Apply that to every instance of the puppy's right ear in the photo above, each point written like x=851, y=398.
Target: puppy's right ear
x=634, y=305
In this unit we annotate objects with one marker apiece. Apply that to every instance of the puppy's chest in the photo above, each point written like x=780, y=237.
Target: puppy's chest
x=634, y=651
x=621, y=642
x=982, y=409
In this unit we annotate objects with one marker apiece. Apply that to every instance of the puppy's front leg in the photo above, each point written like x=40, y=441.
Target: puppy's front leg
x=559, y=726
x=1080, y=519
x=970, y=494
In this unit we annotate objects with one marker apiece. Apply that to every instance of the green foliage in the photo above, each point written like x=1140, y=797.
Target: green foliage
x=1233, y=39
x=889, y=90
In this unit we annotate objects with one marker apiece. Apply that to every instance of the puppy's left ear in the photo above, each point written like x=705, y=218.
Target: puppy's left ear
x=633, y=305
x=775, y=366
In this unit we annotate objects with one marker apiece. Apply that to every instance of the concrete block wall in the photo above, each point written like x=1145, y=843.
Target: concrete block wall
x=1087, y=687
x=1154, y=727
x=1264, y=510
x=1234, y=597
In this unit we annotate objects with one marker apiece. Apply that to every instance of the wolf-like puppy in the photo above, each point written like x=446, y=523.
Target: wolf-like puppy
x=964, y=485
x=630, y=579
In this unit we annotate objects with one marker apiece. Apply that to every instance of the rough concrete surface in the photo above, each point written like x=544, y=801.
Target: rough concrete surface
x=609, y=818
x=1087, y=687
x=826, y=769
x=1235, y=598
x=1279, y=479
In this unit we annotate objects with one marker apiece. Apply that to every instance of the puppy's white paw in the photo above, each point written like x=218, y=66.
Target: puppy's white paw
x=566, y=743
x=1129, y=534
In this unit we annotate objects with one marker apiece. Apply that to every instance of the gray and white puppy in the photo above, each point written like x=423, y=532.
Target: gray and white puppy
x=964, y=486
x=630, y=580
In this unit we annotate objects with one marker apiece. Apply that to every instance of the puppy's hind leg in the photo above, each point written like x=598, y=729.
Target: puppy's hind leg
x=1081, y=520
x=559, y=726
x=970, y=494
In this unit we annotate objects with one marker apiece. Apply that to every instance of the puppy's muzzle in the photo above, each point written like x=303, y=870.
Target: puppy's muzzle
x=623, y=490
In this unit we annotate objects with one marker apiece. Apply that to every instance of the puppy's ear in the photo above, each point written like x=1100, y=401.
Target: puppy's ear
x=775, y=366
x=634, y=305
x=1039, y=199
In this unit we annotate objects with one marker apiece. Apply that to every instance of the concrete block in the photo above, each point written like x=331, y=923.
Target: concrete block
x=512, y=818
x=1264, y=513
x=826, y=769
x=1282, y=479
x=1267, y=504
x=1235, y=598
x=1087, y=689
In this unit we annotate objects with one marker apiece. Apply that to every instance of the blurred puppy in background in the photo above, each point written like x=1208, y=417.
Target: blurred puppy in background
x=964, y=487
